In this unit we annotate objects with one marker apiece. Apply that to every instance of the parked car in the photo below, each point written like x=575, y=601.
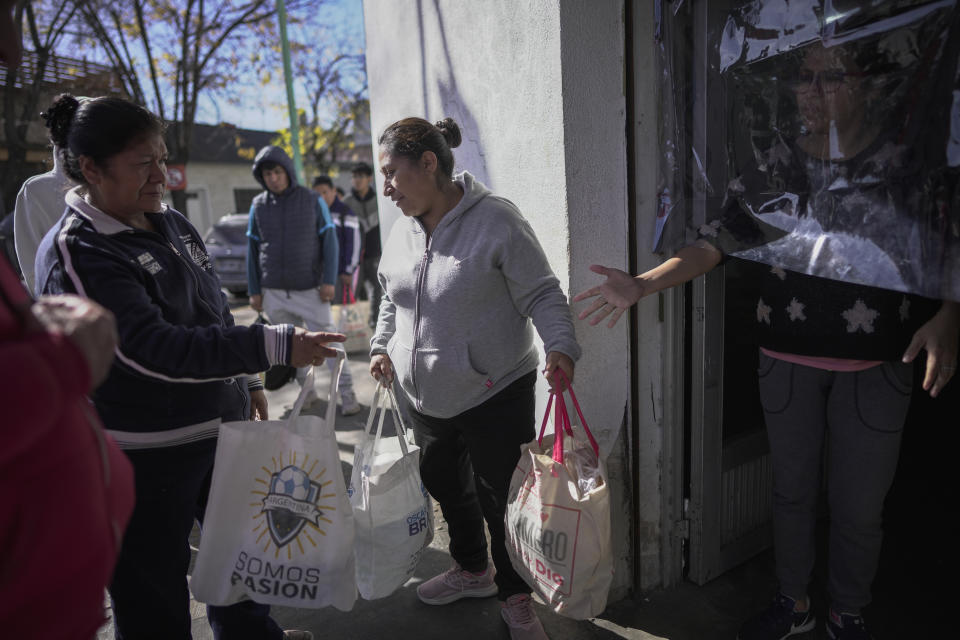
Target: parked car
x=227, y=245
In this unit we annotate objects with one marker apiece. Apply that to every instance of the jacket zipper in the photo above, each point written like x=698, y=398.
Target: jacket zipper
x=196, y=281
x=421, y=277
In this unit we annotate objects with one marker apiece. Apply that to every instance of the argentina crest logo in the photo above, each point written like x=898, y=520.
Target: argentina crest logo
x=291, y=504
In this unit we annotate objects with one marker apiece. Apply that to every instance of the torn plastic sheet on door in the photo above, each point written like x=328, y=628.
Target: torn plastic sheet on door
x=839, y=140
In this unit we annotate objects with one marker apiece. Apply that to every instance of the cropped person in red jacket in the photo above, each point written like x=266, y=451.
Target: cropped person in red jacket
x=65, y=487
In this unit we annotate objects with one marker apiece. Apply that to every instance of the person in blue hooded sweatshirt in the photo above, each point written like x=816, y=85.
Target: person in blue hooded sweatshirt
x=292, y=256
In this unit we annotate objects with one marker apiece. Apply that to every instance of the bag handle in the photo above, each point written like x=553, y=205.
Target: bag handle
x=399, y=417
x=381, y=397
x=376, y=407
x=561, y=426
x=546, y=416
x=374, y=404
x=347, y=296
x=561, y=423
x=561, y=420
x=331, y=398
x=583, y=421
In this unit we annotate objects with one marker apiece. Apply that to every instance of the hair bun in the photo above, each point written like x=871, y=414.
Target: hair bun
x=59, y=117
x=450, y=132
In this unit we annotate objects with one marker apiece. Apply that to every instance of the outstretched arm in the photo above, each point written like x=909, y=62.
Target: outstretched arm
x=621, y=290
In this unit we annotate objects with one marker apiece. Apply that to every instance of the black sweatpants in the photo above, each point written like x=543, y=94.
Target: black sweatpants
x=466, y=463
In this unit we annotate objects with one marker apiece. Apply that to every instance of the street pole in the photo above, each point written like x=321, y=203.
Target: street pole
x=291, y=102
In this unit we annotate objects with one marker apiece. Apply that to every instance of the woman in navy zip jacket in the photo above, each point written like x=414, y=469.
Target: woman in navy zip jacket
x=182, y=366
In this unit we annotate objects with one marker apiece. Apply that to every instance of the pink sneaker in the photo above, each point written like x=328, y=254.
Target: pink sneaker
x=518, y=613
x=456, y=583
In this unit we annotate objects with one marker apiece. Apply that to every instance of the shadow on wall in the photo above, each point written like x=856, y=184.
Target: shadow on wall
x=472, y=156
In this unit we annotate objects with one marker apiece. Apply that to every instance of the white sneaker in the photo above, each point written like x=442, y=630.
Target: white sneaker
x=349, y=405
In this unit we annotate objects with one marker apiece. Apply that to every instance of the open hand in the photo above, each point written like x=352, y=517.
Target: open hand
x=614, y=296
x=310, y=347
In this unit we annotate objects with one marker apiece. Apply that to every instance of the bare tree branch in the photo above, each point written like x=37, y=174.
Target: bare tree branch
x=244, y=18
x=145, y=41
x=127, y=73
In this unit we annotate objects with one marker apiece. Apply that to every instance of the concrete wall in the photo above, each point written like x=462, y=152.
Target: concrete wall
x=537, y=88
x=656, y=414
x=214, y=183
x=594, y=124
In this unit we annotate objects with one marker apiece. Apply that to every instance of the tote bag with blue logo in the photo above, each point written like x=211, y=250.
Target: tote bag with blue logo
x=278, y=527
x=393, y=513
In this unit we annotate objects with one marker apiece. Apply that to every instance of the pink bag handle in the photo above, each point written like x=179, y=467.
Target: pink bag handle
x=561, y=424
x=560, y=411
x=583, y=421
x=546, y=414
x=346, y=292
x=561, y=420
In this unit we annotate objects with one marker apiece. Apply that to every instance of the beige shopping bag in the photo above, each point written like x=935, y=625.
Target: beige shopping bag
x=558, y=517
x=352, y=322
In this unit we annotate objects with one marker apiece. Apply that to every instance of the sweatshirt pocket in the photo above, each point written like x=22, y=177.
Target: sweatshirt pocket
x=399, y=355
x=447, y=382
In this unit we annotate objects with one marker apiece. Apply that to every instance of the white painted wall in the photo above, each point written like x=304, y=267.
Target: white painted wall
x=658, y=475
x=494, y=67
x=537, y=88
x=217, y=181
x=594, y=122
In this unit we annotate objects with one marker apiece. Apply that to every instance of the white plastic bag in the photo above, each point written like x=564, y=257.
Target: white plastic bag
x=394, y=517
x=558, y=517
x=278, y=527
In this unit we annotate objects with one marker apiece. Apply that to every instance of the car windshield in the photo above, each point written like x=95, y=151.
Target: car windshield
x=233, y=233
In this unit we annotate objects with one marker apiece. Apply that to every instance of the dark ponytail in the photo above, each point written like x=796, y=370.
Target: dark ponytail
x=59, y=116
x=97, y=127
x=411, y=137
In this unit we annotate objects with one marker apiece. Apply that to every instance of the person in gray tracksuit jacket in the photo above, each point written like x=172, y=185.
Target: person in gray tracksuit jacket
x=463, y=276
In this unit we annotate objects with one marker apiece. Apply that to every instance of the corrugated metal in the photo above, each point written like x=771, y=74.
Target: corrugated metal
x=746, y=493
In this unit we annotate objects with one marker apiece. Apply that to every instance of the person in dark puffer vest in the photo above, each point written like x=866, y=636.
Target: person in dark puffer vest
x=293, y=255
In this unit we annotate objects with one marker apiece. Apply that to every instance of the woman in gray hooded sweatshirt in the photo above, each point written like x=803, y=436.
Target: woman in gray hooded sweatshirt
x=463, y=276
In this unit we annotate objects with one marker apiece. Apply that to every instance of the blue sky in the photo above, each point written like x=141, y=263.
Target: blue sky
x=265, y=107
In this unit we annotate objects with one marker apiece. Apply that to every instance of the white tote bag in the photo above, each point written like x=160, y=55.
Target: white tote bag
x=278, y=527
x=558, y=517
x=393, y=514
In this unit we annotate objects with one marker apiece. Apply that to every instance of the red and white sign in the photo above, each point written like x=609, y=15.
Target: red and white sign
x=176, y=177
